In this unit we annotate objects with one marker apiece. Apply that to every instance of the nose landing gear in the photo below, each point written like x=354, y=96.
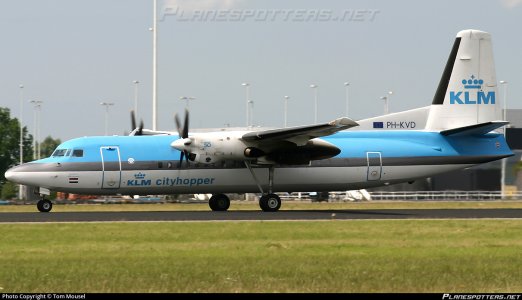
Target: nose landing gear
x=44, y=205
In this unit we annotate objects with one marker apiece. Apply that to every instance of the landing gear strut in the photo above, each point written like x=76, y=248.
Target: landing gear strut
x=269, y=202
x=44, y=205
x=219, y=202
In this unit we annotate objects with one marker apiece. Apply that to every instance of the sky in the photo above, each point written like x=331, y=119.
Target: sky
x=73, y=55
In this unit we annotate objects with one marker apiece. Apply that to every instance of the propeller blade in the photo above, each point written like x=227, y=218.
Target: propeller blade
x=178, y=125
x=181, y=158
x=186, y=125
x=137, y=130
x=183, y=134
x=140, y=129
x=133, y=120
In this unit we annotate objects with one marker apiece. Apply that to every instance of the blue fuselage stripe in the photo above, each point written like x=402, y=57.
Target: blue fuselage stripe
x=354, y=144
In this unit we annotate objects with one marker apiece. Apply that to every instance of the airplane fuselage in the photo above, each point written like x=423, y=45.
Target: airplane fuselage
x=144, y=165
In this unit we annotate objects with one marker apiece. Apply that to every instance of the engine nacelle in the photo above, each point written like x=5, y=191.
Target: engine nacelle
x=209, y=148
x=253, y=152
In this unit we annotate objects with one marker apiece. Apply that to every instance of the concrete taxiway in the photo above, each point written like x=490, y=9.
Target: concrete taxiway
x=283, y=215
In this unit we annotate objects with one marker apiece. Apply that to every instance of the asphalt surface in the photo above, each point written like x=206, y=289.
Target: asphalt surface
x=384, y=214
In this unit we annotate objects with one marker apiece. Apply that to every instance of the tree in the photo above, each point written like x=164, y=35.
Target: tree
x=9, y=191
x=48, y=145
x=10, y=143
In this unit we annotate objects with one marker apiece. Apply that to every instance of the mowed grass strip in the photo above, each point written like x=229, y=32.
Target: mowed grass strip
x=287, y=205
x=327, y=256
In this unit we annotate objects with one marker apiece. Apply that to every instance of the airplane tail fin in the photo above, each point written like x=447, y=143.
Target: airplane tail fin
x=467, y=92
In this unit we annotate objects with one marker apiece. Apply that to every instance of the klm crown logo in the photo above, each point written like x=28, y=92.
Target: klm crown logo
x=469, y=96
x=139, y=175
x=472, y=83
x=139, y=180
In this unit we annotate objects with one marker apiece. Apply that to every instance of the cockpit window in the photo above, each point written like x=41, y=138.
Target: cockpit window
x=77, y=153
x=59, y=152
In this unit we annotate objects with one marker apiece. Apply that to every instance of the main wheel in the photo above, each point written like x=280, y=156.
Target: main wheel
x=44, y=205
x=270, y=202
x=219, y=202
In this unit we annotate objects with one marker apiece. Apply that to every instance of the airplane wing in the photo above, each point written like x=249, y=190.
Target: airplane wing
x=300, y=135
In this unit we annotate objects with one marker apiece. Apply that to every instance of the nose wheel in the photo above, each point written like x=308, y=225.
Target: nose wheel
x=44, y=205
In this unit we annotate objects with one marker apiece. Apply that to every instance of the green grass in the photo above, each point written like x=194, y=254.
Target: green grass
x=287, y=205
x=325, y=256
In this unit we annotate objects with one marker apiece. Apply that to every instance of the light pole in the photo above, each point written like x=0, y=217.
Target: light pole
x=38, y=131
x=504, y=116
x=346, y=85
x=20, y=187
x=154, y=30
x=286, y=109
x=106, y=104
x=314, y=87
x=187, y=99
x=247, y=95
x=251, y=102
x=36, y=123
x=390, y=93
x=385, y=98
x=136, y=83
x=504, y=160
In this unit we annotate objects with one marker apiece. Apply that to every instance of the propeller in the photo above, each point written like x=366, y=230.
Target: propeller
x=139, y=130
x=183, y=141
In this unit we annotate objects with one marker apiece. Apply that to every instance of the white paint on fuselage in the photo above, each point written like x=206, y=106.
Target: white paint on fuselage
x=232, y=180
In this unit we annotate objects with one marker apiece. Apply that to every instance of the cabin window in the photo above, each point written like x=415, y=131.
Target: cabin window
x=59, y=152
x=77, y=153
x=160, y=164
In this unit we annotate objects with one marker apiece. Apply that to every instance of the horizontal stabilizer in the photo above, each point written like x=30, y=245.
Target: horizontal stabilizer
x=477, y=129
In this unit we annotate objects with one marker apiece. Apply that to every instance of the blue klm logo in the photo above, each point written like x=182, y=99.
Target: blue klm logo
x=139, y=180
x=465, y=97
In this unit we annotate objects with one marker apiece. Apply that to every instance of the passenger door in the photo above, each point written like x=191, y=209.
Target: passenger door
x=374, y=160
x=111, y=167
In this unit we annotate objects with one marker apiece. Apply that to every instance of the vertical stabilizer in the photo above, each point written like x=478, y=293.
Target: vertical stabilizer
x=467, y=92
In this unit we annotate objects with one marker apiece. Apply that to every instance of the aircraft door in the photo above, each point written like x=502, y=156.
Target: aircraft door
x=374, y=160
x=111, y=166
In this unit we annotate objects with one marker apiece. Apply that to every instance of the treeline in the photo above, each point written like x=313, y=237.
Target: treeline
x=10, y=150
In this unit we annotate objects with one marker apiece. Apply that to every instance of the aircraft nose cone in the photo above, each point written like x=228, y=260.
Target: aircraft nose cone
x=10, y=175
x=13, y=175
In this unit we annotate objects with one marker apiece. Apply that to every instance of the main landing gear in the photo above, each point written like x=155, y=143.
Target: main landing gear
x=269, y=202
x=44, y=205
x=219, y=202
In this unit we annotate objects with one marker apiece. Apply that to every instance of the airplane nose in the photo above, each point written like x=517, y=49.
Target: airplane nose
x=9, y=175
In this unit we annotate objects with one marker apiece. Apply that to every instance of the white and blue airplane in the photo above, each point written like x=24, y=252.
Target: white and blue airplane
x=456, y=131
